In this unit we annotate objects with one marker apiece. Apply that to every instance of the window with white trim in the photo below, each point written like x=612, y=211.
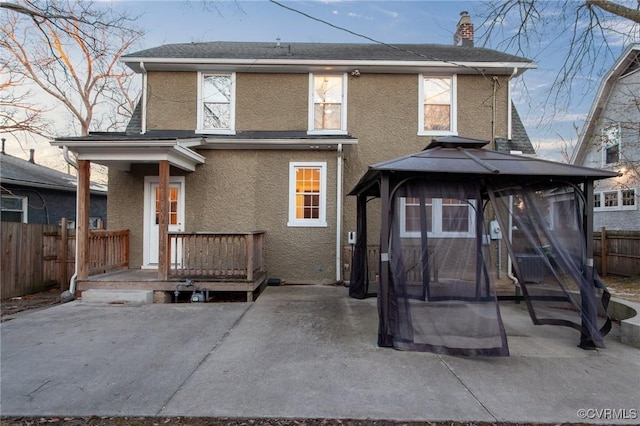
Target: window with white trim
x=445, y=217
x=307, y=194
x=437, y=106
x=610, y=200
x=327, y=103
x=611, y=145
x=14, y=209
x=216, y=103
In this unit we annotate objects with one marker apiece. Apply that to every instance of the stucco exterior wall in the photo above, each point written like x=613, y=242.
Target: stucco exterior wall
x=243, y=190
x=125, y=208
x=621, y=107
x=172, y=100
x=383, y=115
x=272, y=101
x=246, y=190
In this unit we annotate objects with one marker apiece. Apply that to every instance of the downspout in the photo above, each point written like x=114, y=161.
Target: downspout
x=510, y=233
x=510, y=236
x=339, y=161
x=69, y=295
x=143, y=119
x=509, y=114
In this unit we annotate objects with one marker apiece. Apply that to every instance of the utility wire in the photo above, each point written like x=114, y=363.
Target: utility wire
x=322, y=21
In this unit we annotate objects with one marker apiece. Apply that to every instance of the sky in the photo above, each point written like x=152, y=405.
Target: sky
x=166, y=22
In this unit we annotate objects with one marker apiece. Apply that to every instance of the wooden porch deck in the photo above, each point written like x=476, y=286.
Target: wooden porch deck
x=147, y=279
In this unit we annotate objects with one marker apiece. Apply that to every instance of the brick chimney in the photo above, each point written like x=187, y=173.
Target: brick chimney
x=464, y=31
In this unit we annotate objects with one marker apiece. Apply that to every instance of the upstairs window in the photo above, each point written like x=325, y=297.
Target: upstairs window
x=216, y=103
x=307, y=194
x=611, y=145
x=444, y=217
x=327, y=104
x=437, y=107
x=14, y=209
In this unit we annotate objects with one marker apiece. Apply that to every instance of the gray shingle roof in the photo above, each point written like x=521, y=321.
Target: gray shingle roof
x=325, y=51
x=519, y=138
x=17, y=171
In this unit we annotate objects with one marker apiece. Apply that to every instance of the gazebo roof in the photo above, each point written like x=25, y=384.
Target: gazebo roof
x=459, y=158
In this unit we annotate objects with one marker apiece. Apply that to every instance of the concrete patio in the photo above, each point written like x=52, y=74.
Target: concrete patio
x=299, y=352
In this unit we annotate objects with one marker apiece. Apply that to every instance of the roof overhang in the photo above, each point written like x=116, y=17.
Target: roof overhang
x=333, y=144
x=120, y=154
x=315, y=65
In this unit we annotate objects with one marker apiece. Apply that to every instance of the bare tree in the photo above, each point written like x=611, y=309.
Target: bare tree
x=593, y=27
x=70, y=51
x=17, y=113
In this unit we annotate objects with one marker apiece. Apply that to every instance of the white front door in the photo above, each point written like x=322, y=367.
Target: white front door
x=151, y=216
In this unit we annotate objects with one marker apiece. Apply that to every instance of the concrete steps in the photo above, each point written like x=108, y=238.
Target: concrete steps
x=113, y=297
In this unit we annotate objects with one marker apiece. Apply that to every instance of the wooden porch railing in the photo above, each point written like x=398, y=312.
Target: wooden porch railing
x=108, y=250
x=216, y=255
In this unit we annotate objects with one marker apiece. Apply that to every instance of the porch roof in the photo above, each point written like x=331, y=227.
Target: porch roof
x=119, y=150
x=454, y=157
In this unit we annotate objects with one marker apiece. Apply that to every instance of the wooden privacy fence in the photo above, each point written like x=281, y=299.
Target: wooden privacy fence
x=23, y=268
x=617, y=252
x=223, y=256
x=36, y=257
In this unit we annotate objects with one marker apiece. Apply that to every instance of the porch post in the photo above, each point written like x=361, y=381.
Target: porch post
x=163, y=221
x=82, y=219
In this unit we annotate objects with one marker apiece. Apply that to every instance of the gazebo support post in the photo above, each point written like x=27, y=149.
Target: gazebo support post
x=589, y=313
x=385, y=338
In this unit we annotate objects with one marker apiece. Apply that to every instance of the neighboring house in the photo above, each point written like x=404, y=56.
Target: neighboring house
x=611, y=140
x=245, y=136
x=32, y=193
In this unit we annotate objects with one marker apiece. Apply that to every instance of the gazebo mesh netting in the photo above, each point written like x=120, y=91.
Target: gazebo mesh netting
x=437, y=267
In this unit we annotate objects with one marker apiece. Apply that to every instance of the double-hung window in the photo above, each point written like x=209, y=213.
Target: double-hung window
x=307, y=194
x=216, y=103
x=327, y=104
x=611, y=145
x=613, y=199
x=437, y=106
x=444, y=217
x=14, y=209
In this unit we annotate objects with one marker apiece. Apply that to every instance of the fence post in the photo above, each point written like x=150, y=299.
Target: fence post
x=603, y=252
x=64, y=250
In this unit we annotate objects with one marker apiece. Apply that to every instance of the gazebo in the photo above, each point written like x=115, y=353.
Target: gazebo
x=440, y=209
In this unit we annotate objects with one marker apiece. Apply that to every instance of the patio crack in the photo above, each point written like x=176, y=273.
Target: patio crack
x=202, y=361
x=467, y=388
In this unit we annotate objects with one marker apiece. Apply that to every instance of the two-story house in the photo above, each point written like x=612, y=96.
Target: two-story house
x=250, y=148
x=610, y=141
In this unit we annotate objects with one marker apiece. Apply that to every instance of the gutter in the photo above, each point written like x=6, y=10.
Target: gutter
x=68, y=296
x=339, y=184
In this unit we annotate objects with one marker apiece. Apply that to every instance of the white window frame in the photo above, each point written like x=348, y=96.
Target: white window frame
x=436, y=229
x=321, y=221
x=343, y=107
x=619, y=206
x=232, y=106
x=24, y=210
x=609, y=134
x=453, y=102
